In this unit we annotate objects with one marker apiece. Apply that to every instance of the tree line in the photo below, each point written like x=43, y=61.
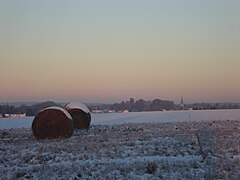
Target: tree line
x=142, y=105
x=29, y=110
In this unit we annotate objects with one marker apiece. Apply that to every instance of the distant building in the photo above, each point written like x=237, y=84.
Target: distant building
x=182, y=104
x=15, y=115
x=132, y=104
x=111, y=111
x=97, y=111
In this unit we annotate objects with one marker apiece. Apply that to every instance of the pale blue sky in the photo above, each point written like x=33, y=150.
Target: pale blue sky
x=102, y=51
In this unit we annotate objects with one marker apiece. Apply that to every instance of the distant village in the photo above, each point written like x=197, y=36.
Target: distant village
x=158, y=105
x=135, y=106
x=12, y=115
x=11, y=111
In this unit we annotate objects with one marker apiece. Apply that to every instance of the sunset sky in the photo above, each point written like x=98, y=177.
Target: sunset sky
x=108, y=51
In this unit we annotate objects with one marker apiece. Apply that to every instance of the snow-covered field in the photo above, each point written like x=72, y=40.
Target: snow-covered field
x=172, y=145
x=139, y=117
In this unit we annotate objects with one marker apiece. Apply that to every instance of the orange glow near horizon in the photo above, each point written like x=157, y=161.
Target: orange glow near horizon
x=109, y=51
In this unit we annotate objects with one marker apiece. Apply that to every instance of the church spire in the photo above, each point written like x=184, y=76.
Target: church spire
x=181, y=103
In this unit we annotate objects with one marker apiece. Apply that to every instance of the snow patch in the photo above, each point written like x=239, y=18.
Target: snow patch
x=77, y=105
x=59, y=109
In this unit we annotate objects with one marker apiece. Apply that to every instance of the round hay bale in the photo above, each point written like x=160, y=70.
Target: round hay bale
x=52, y=122
x=80, y=114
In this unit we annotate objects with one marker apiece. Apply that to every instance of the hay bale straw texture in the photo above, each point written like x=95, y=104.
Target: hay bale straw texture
x=52, y=122
x=80, y=114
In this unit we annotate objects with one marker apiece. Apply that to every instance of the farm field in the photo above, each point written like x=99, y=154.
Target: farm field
x=139, y=117
x=208, y=149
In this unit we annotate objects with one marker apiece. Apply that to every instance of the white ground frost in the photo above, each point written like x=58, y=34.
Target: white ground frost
x=176, y=150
